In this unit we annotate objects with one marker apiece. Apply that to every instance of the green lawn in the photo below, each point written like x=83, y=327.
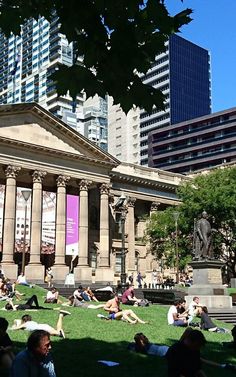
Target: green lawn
x=89, y=339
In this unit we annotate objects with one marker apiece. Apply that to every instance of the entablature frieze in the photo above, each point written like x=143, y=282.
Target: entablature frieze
x=146, y=197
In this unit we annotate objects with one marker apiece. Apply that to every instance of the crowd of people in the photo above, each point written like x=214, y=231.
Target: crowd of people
x=183, y=358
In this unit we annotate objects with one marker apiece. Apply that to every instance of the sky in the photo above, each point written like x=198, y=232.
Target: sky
x=214, y=28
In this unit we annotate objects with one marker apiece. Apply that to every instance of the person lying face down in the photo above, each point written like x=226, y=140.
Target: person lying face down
x=143, y=345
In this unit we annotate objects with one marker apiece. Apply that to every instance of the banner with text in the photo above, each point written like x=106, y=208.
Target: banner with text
x=72, y=225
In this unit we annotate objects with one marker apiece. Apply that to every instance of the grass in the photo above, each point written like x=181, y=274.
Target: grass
x=89, y=339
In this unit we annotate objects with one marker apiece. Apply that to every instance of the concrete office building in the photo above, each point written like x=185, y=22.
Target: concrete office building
x=182, y=73
x=26, y=63
x=196, y=144
x=124, y=133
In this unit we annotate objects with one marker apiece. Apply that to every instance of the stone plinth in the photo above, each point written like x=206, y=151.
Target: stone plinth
x=104, y=275
x=59, y=273
x=10, y=270
x=83, y=274
x=207, y=284
x=34, y=273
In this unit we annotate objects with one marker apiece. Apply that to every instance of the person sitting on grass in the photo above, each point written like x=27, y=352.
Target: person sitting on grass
x=21, y=280
x=90, y=294
x=174, y=318
x=26, y=323
x=206, y=322
x=52, y=296
x=183, y=357
x=115, y=313
x=31, y=303
x=194, y=309
x=36, y=359
x=6, y=346
x=128, y=297
x=142, y=345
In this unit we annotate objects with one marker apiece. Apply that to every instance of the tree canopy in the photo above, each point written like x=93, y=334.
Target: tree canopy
x=118, y=40
x=214, y=193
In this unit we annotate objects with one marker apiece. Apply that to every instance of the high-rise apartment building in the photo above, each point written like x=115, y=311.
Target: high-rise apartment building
x=26, y=64
x=123, y=133
x=182, y=73
x=95, y=120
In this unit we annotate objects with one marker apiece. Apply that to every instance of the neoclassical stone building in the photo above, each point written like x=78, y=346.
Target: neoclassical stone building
x=40, y=153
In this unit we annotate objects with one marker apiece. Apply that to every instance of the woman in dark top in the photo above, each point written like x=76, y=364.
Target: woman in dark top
x=206, y=322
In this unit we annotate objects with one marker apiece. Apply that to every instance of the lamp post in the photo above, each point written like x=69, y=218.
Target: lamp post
x=26, y=194
x=176, y=218
x=123, y=211
x=121, y=208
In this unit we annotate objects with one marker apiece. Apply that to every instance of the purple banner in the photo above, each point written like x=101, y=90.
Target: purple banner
x=72, y=225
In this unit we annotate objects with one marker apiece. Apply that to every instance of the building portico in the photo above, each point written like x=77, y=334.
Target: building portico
x=63, y=169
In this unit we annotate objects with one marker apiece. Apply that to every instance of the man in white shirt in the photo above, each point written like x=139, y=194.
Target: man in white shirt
x=174, y=318
x=193, y=308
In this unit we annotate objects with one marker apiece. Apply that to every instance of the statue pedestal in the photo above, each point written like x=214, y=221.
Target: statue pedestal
x=207, y=284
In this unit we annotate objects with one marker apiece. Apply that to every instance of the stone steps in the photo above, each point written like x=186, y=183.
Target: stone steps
x=225, y=315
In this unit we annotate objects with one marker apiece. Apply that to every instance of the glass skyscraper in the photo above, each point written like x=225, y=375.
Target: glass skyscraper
x=182, y=73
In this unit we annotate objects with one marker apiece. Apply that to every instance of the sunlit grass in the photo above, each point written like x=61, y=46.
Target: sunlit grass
x=89, y=339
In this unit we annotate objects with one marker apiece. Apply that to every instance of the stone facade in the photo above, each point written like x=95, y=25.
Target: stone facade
x=40, y=152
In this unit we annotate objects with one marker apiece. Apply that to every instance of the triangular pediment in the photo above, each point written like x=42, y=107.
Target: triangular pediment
x=35, y=126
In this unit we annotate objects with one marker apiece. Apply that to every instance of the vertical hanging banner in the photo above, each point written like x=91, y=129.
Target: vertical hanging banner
x=72, y=225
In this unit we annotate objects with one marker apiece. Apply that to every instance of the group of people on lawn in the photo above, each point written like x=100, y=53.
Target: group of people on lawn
x=183, y=358
x=181, y=315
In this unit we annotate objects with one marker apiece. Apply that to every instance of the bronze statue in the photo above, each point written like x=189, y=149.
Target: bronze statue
x=203, y=238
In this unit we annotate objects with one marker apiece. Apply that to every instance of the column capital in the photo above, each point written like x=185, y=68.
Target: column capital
x=11, y=171
x=38, y=176
x=154, y=206
x=104, y=188
x=62, y=180
x=131, y=201
x=84, y=185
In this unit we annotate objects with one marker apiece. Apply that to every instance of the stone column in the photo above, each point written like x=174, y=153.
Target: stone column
x=35, y=270
x=154, y=207
x=83, y=272
x=10, y=268
x=131, y=235
x=60, y=269
x=104, y=272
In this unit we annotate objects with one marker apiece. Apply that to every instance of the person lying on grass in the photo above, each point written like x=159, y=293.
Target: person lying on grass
x=31, y=303
x=73, y=301
x=113, y=308
x=26, y=323
x=142, y=344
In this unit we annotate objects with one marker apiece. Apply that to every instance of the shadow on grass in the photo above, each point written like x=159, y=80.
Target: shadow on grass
x=74, y=357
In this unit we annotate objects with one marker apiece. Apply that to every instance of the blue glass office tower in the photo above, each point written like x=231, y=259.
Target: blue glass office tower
x=189, y=80
x=182, y=73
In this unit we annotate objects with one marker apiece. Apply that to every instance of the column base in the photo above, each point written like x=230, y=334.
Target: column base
x=10, y=270
x=83, y=275
x=104, y=275
x=35, y=273
x=59, y=273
